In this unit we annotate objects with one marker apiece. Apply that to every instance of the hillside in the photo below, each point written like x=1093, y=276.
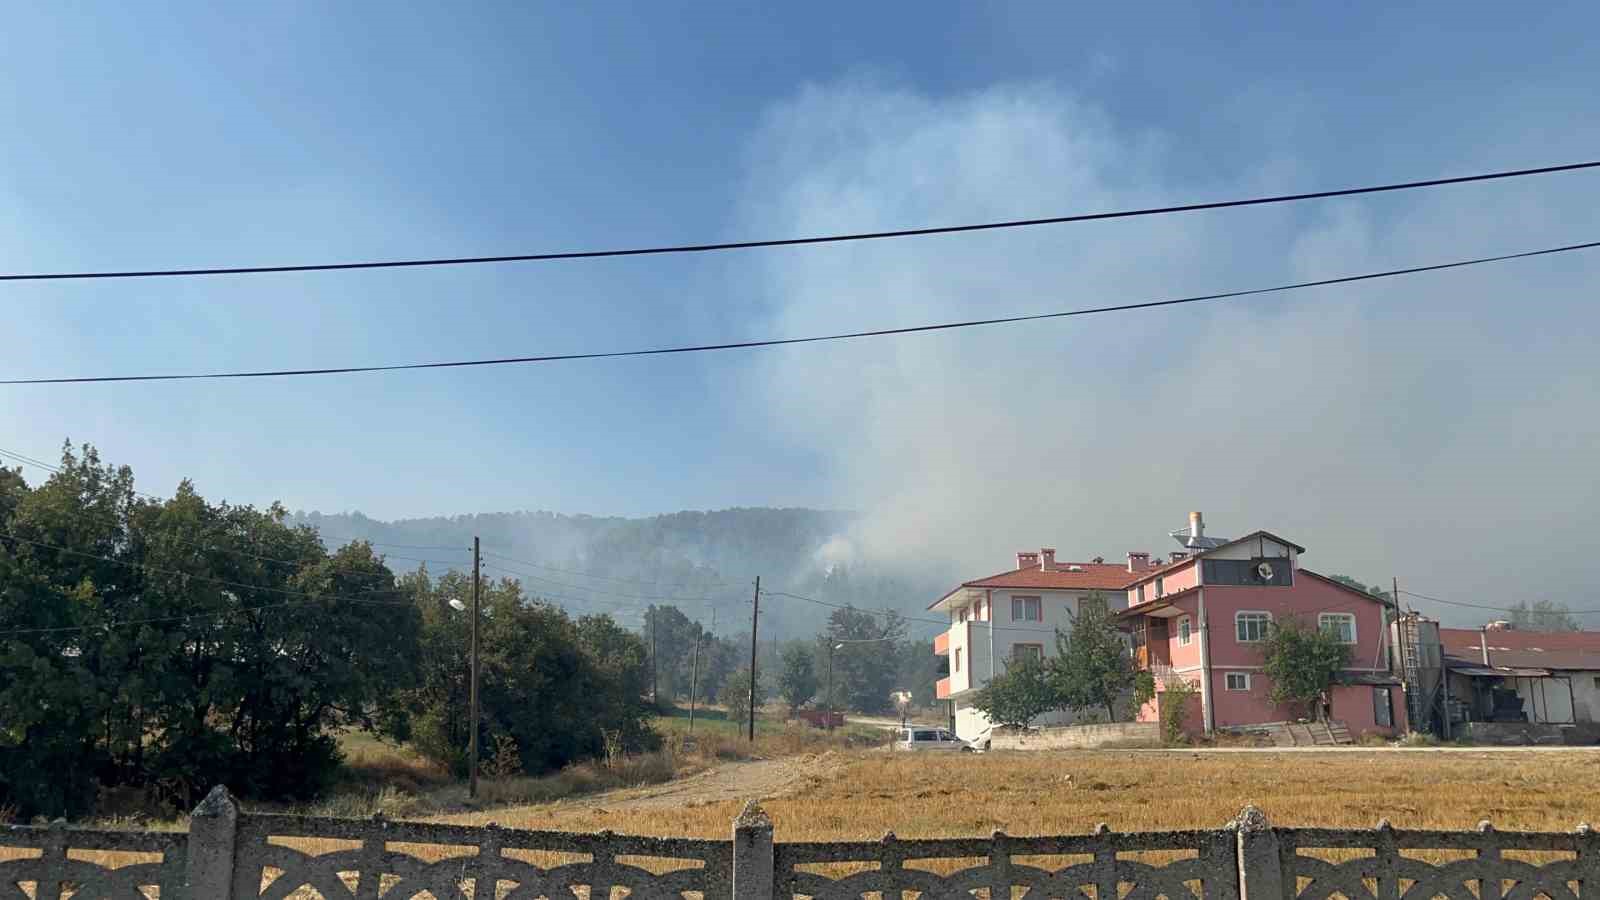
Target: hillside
x=694, y=560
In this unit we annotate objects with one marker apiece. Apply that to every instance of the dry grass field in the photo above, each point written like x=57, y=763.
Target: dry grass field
x=841, y=794
x=862, y=795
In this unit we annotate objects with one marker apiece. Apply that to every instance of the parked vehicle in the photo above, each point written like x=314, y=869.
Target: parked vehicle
x=981, y=742
x=928, y=739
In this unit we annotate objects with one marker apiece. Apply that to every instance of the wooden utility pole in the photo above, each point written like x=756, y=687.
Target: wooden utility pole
x=694, y=680
x=655, y=698
x=755, y=613
x=472, y=747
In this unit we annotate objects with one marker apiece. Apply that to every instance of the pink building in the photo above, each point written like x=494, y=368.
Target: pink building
x=1201, y=616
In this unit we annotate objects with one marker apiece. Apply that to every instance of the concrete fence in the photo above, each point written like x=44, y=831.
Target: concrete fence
x=1087, y=736
x=227, y=855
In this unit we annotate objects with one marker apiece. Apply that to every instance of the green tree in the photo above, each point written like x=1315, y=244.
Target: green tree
x=736, y=696
x=673, y=635
x=541, y=681
x=1543, y=615
x=1301, y=662
x=1372, y=589
x=797, y=685
x=1017, y=696
x=719, y=659
x=620, y=657
x=188, y=644
x=1092, y=668
x=865, y=671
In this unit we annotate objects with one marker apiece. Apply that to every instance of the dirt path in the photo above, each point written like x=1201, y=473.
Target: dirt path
x=756, y=779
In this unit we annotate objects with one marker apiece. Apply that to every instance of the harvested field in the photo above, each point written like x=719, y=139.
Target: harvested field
x=860, y=796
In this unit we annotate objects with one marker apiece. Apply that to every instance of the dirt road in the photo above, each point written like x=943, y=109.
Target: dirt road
x=756, y=779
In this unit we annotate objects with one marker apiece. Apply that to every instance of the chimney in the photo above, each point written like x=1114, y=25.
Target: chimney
x=1138, y=561
x=1027, y=559
x=1483, y=644
x=1047, y=559
x=1197, y=526
x=1179, y=554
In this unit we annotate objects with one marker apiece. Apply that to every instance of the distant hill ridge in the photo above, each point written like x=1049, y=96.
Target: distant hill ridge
x=695, y=560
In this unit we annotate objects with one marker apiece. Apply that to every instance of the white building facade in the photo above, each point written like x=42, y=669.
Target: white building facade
x=1016, y=614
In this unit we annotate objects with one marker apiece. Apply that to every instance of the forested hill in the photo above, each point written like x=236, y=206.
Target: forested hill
x=693, y=560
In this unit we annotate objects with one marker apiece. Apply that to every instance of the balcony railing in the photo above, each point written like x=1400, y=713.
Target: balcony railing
x=941, y=689
x=941, y=644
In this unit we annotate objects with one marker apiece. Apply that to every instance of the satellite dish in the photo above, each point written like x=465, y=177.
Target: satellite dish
x=1264, y=570
x=458, y=606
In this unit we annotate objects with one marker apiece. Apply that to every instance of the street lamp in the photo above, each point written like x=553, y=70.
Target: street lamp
x=831, y=648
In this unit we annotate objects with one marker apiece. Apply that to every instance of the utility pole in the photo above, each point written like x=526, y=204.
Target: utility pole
x=694, y=680
x=832, y=646
x=755, y=613
x=472, y=751
x=655, y=698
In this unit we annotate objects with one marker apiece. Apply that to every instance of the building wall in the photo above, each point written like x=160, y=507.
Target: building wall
x=1250, y=707
x=1548, y=700
x=1305, y=598
x=1585, y=695
x=1181, y=656
x=1184, y=576
x=971, y=723
x=973, y=645
x=1356, y=706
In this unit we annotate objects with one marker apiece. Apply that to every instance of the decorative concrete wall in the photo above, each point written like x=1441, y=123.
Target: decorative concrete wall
x=1077, y=736
x=228, y=855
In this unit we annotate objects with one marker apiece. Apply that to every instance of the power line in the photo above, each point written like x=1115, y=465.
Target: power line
x=1573, y=612
x=580, y=587
x=634, y=581
x=849, y=335
x=800, y=241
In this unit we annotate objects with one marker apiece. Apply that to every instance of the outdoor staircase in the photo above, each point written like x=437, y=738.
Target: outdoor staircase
x=1309, y=734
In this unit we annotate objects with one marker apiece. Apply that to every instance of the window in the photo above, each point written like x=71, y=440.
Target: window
x=1026, y=609
x=1238, y=681
x=1141, y=594
x=1260, y=571
x=927, y=736
x=958, y=659
x=961, y=615
x=1251, y=627
x=1020, y=652
x=977, y=610
x=1161, y=590
x=1341, y=625
x=1185, y=633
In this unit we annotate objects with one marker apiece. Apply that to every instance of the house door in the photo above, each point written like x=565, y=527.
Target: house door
x=1382, y=707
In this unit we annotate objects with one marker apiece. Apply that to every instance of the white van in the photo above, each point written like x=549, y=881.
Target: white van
x=928, y=739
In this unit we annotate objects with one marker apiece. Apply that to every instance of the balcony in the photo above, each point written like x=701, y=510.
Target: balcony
x=941, y=644
x=941, y=689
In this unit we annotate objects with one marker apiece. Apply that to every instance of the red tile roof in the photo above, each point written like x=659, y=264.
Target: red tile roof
x=1094, y=577
x=1524, y=649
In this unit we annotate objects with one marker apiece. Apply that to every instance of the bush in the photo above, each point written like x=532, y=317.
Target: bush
x=1175, y=703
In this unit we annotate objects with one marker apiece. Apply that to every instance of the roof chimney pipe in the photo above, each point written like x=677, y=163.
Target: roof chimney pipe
x=1047, y=559
x=1197, y=525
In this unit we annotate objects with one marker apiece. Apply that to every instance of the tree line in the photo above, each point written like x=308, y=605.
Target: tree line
x=170, y=645
x=876, y=660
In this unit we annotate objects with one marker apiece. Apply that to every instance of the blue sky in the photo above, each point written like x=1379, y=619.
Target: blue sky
x=281, y=133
